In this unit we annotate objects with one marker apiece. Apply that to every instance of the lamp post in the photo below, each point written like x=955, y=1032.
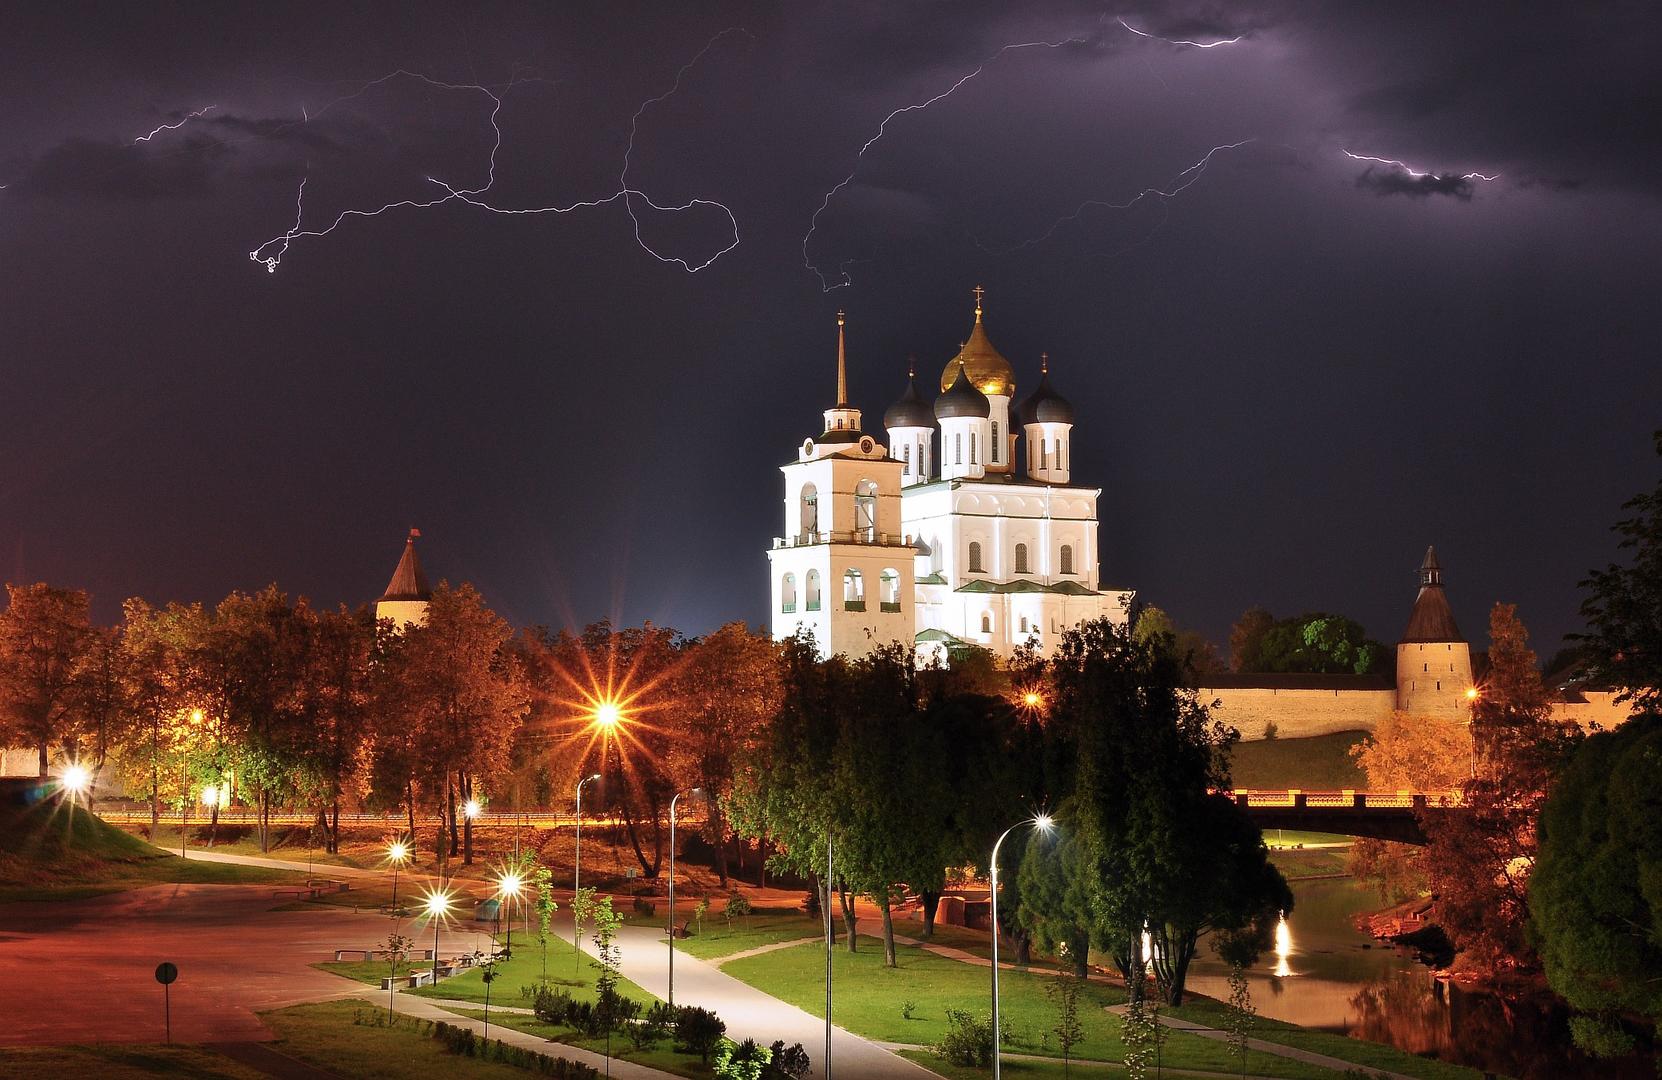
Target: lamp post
x=828, y=924
x=508, y=887
x=577, y=871
x=437, y=905
x=76, y=781
x=1042, y=823
x=397, y=852
x=672, y=802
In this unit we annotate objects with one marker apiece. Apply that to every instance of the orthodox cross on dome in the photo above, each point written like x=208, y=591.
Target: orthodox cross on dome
x=979, y=293
x=1044, y=363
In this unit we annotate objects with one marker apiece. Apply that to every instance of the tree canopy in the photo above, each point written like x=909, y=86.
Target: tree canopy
x=1623, y=606
x=1313, y=643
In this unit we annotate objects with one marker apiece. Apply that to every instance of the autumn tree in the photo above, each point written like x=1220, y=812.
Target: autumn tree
x=464, y=695
x=45, y=633
x=1407, y=753
x=725, y=689
x=1199, y=654
x=1246, y=639
x=339, y=703
x=1478, y=861
x=1623, y=606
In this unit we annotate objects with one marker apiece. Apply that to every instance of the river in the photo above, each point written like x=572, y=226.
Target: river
x=1329, y=976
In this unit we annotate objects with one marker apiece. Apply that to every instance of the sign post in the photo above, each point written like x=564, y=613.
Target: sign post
x=165, y=974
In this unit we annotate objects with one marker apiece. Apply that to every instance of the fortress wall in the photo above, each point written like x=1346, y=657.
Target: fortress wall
x=1600, y=708
x=1301, y=713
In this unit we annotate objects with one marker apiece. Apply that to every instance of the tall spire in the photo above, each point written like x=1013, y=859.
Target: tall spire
x=842, y=363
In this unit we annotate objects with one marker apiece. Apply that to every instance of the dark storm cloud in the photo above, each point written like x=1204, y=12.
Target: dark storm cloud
x=1389, y=180
x=85, y=168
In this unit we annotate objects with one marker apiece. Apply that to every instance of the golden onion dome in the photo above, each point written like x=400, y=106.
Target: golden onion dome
x=986, y=367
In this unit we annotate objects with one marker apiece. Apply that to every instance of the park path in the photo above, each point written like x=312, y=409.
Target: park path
x=1309, y=1057
x=750, y=1013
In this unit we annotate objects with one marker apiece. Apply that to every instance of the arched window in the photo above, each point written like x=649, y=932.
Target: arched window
x=787, y=594
x=812, y=590
x=972, y=448
x=1067, y=558
x=810, y=509
x=854, y=591
x=995, y=442
x=1021, y=561
x=1059, y=446
x=975, y=557
x=1044, y=453
x=889, y=592
x=865, y=506
x=906, y=460
x=986, y=623
x=958, y=448
x=1024, y=624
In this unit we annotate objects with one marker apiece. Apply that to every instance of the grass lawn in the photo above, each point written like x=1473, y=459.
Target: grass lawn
x=57, y=852
x=660, y=1056
x=872, y=999
x=766, y=926
x=1319, y=763
x=122, y=1062
x=326, y=1035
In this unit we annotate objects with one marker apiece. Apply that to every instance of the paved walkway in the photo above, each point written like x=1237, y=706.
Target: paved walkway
x=760, y=949
x=750, y=1013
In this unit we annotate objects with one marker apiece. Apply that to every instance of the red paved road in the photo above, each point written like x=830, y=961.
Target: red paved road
x=83, y=971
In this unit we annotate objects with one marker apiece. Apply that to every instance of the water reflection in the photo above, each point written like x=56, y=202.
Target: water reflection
x=1283, y=948
x=1333, y=977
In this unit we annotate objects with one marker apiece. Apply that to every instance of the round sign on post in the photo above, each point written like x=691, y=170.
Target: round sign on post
x=165, y=974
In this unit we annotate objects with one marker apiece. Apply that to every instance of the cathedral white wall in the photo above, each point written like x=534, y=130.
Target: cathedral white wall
x=913, y=448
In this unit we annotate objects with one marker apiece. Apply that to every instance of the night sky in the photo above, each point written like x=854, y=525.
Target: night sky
x=1291, y=375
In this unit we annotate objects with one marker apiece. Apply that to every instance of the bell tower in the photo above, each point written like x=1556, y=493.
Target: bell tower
x=407, y=595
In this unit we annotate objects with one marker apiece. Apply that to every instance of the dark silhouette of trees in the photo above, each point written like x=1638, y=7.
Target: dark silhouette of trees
x=1246, y=639
x=1596, y=893
x=1623, y=607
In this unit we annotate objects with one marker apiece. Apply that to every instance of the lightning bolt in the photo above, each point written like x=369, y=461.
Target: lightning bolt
x=272, y=251
x=187, y=118
x=807, y=260
x=1179, y=184
x=1180, y=41
x=1417, y=174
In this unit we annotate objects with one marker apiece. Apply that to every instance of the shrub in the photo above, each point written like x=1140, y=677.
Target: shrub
x=908, y=1009
x=787, y=1063
x=737, y=906
x=811, y=905
x=645, y=907
x=697, y=1031
x=463, y=1042
x=551, y=1006
x=968, y=1041
x=741, y=1061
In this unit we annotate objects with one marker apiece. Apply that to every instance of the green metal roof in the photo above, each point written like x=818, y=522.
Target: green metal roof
x=1066, y=588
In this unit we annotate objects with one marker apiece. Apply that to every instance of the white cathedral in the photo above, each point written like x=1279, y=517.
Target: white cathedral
x=941, y=545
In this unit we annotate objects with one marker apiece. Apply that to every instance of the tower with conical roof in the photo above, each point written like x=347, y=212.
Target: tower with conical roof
x=405, y=601
x=843, y=570
x=1434, y=662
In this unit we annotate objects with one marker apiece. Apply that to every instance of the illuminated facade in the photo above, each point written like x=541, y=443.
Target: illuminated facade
x=941, y=543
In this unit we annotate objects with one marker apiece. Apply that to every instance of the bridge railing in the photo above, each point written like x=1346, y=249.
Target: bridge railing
x=1347, y=799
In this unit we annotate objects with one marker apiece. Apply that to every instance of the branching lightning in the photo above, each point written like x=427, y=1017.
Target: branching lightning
x=807, y=260
x=187, y=118
x=1417, y=174
x=1179, y=184
x=272, y=251
x=1180, y=41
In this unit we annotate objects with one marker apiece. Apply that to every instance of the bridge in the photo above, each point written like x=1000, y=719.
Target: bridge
x=1377, y=815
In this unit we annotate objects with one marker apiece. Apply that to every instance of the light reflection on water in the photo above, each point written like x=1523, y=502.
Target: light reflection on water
x=1325, y=974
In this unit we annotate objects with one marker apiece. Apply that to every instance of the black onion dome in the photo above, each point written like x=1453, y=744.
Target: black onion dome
x=909, y=411
x=962, y=399
x=1045, y=405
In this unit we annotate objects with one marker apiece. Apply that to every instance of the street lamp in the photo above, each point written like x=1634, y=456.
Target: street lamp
x=672, y=802
x=608, y=715
x=397, y=853
x=438, y=906
x=1042, y=823
x=508, y=887
x=76, y=780
x=1032, y=699
x=577, y=872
